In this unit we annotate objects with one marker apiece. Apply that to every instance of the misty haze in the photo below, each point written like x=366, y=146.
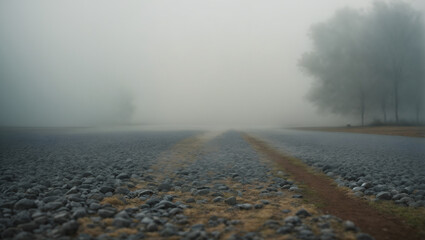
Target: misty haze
x=212, y=119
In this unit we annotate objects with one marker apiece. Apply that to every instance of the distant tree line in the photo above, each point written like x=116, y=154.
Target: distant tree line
x=370, y=63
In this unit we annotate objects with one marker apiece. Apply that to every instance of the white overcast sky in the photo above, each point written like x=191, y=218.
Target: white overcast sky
x=191, y=62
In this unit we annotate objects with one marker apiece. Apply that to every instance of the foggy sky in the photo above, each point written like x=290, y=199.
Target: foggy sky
x=190, y=62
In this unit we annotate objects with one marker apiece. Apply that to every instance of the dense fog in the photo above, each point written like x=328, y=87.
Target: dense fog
x=203, y=63
x=371, y=64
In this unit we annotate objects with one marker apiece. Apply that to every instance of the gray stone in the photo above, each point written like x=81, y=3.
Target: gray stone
x=327, y=236
x=120, y=222
x=324, y=225
x=369, y=192
x=406, y=199
x=218, y=199
x=96, y=196
x=165, y=187
x=169, y=230
x=217, y=194
x=245, y=206
x=122, y=214
x=198, y=227
x=50, y=199
x=122, y=190
x=175, y=211
x=94, y=206
x=192, y=235
x=123, y=176
x=69, y=228
x=164, y=204
x=24, y=236
x=9, y=233
x=272, y=224
x=56, y=233
x=136, y=236
x=364, y=236
x=145, y=192
x=106, y=189
x=399, y=196
x=28, y=227
x=302, y=213
x=140, y=215
x=21, y=217
x=305, y=234
x=153, y=201
x=203, y=192
x=79, y=213
x=40, y=219
x=75, y=197
x=284, y=230
x=295, y=220
x=52, y=206
x=61, y=217
x=230, y=201
x=38, y=214
x=76, y=204
x=152, y=227
x=25, y=204
x=258, y=206
x=358, y=189
x=72, y=190
x=349, y=226
x=106, y=213
x=87, y=174
x=383, y=196
x=294, y=189
x=146, y=220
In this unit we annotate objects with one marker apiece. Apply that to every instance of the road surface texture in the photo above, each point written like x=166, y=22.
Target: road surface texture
x=388, y=167
x=188, y=185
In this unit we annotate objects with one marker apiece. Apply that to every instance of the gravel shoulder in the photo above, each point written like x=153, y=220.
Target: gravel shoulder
x=384, y=130
x=372, y=166
x=331, y=199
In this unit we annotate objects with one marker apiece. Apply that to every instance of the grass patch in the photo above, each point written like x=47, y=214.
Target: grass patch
x=92, y=231
x=121, y=203
x=252, y=220
x=121, y=231
x=414, y=217
x=310, y=197
x=115, y=201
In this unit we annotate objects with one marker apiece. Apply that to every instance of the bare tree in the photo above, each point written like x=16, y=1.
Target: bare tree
x=337, y=64
x=363, y=59
x=396, y=26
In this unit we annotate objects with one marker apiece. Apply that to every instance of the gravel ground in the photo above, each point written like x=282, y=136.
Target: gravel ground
x=48, y=179
x=388, y=167
x=151, y=185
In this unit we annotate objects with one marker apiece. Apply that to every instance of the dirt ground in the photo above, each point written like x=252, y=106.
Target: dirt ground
x=329, y=198
x=384, y=130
